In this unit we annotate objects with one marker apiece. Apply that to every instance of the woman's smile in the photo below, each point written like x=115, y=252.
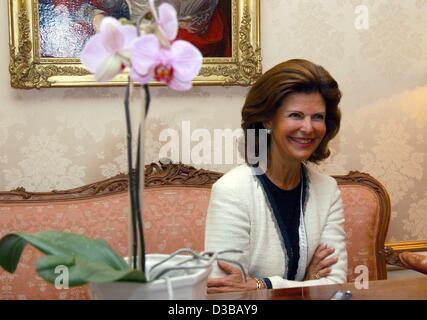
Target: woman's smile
x=302, y=142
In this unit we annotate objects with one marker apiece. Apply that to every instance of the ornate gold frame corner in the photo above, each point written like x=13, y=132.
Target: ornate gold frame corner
x=28, y=70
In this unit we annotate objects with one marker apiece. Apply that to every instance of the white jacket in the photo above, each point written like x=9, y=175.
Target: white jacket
x=239, y=217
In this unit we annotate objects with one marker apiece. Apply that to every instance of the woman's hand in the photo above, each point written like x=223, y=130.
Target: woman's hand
x=320, y=264
x=232, y=282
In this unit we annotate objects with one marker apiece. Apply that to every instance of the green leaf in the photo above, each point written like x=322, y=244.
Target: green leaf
x=134, y=276
x=47, y=268
x=87, y=260
x=11, y=247
x=93, y=271
x=71, y=244
x=82, y=270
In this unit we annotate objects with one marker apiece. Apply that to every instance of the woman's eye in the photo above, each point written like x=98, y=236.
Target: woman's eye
x=295, y=115
x=319, y=117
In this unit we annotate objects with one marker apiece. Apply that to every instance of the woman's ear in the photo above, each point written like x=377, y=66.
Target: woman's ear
x=267, y=124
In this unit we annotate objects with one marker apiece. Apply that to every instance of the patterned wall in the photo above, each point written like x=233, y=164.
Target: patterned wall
x=63, y=138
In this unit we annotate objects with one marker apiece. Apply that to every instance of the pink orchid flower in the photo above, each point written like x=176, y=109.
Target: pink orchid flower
x=166, y=20
x=174, y=63
x=107, y=53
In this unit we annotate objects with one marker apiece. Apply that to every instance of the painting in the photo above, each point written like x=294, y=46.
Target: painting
x=47, y=37
x=205, y=23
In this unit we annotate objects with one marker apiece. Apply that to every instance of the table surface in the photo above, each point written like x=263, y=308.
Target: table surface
x=396, y=289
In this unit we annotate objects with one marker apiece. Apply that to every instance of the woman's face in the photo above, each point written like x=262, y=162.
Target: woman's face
x=298, y=127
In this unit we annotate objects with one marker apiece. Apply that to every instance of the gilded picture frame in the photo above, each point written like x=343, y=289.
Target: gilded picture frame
x=29, y=69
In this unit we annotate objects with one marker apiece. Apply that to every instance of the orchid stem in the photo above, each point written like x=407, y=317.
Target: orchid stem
x=138, y=211
x=147, y=99
x=134, y=241
x=140, y=181
x=137, y=187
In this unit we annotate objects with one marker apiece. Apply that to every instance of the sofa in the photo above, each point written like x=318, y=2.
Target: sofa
x=175, y=203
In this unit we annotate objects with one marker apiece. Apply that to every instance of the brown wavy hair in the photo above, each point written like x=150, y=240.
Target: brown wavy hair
x=292, y=76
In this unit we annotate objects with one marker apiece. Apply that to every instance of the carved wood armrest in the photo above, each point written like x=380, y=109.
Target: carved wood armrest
x=392, y=257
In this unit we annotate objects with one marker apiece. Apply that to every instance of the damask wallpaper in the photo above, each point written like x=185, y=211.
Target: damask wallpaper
x=64, y=138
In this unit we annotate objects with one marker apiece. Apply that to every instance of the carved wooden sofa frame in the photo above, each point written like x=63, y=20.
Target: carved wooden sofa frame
x=170, y=186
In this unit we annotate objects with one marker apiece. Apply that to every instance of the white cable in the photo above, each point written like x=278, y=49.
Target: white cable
x=169, y=286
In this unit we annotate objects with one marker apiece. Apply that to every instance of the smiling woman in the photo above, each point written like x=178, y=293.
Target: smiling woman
x=287, y=219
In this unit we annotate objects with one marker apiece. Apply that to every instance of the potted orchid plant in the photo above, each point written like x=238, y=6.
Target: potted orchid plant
x=150, y=52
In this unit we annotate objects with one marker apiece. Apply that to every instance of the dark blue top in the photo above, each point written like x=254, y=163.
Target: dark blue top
x=286, y=209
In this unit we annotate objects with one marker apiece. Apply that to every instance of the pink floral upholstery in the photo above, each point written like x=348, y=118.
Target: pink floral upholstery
x=361, y=207
x=103, y=217
x=171, y=222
